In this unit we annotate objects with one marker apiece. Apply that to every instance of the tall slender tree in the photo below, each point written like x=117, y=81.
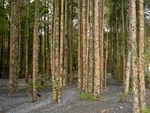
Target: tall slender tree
x=57, y=42
x=79, y=47
x=55, y=26
x=96, y=51
x=123, y=41
x=91, y=47
x=84, y=35
x=132, y=35
x=61, y=50
x=70, y=39
x=105, y=59
x=128, y=67
x=101, y=21
x=142, y=56
x=14, y=47
x=35, y=51
x=128, y=62
x=26, y=41
x=65, y=72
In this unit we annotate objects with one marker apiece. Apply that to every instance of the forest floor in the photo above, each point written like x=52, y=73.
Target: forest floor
x=20, y=102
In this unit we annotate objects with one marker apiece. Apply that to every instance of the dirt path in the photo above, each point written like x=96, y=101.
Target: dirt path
x=20, y=102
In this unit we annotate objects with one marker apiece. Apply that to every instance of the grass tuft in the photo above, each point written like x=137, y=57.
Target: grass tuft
x=86, y=96
x=147, y=80
x=123, y=97
x=145, y=110
x=23, y=88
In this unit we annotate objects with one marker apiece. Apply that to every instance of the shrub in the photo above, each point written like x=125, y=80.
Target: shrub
x=122, y=97
x=24, y=88
x=147, y=80
x=86, y=96
x=145, y=110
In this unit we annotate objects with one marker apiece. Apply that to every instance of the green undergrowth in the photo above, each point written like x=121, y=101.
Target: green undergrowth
x=123, y=97
x=145, y=110
x=23, y=88
x=28, y=86
x=147, y=80
x=86, y=96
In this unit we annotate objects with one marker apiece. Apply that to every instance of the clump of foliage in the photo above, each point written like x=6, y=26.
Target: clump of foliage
x=24, y=88
x=123, y=97
x=130, y=83
x=145, y=110
x=86, y=96
x=39, y=85
x=147, y=80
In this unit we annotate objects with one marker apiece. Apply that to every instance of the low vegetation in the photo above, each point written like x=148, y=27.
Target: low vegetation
x=145, y=110
x=147, y=80
x=86, y=96
x=123, y=97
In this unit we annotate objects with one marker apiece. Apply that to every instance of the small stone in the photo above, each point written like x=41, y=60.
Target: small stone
x=121, y=107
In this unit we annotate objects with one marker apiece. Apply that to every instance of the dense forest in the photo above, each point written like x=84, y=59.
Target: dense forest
x=61, y=41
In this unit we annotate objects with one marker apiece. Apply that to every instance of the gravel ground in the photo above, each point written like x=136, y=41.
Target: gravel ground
x=20, y=103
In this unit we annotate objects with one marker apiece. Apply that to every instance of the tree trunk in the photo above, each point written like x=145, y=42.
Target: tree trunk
x=84, y=35
x=132, y=35
x=105, y=60
x=35, y=51
x=91, y=48
x=128, y=67
x=96, y=51
x=56, y=77
x=20, y=63
x=70, y=39
x=14, y=47
x=65, y=72
x=27, y=37
x=123, y=42
x=79, y=47
x=128, y=63
x=142, y=56
x=61, y=50
x=101, y=18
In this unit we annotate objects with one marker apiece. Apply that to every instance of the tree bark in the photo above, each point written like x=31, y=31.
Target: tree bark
x=27, y=37
x=65, y=72
x=84, y=35
x=61, y=51
x=101, y=18
x=91, y=48
x=79, y=45
x=70, y=39
x=123, y=41
x=142, y=56
x=128, y=64
x=14, y=47
x=132, y=35
x=96, y=51
x=35, y=51
x=128, y=67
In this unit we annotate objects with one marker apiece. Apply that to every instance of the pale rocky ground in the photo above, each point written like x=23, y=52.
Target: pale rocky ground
x=20, y=103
